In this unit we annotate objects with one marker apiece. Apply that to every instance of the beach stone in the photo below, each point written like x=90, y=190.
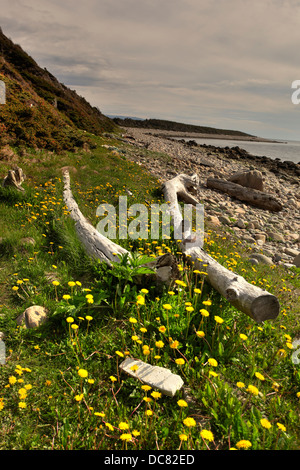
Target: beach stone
x=224, y=220
x=276, y=236
x=262, y=259
x=296, y=261
x=32, y=317
x=214, y=220
x=260, y=237
x=249, y=179
x=291, y=252
x=157, y=377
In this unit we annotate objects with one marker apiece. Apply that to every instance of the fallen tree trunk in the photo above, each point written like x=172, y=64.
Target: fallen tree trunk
x=96, y=244
x=252, y=196
x=258, y=304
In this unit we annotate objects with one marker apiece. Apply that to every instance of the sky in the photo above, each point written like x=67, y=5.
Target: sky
x=228, y=64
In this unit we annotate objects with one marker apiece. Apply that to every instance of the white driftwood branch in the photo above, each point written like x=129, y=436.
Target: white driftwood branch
x=258, y=304
x=96, y=244
x=15, y=179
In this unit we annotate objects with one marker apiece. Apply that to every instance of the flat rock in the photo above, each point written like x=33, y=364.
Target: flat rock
x=157, y=377
x=262, y=258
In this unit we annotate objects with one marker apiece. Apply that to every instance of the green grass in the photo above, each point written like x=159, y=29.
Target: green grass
x=62, y=388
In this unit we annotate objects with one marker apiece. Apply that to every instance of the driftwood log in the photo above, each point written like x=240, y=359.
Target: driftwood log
x=252, y=196
x=14, y=179
x=258, y=304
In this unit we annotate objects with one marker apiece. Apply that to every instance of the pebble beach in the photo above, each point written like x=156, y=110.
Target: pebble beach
x=274, y=237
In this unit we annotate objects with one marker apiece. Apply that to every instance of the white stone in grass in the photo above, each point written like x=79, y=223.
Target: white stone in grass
x=157, y=377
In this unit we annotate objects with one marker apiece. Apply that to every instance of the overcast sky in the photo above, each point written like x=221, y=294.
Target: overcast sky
x=221, y=63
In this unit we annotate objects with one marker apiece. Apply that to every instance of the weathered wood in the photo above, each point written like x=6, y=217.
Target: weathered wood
x=96, y=244
x=252, y=196
x=258, y=304
x=14, y=179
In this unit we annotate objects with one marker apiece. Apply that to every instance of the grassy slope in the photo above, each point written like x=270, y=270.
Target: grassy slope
x=61, y=406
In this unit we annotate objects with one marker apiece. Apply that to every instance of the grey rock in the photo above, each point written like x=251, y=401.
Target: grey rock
x=262, y=259
x=296, y=261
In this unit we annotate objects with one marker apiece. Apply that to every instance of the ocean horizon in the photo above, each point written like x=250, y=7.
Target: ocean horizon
x=285, y=150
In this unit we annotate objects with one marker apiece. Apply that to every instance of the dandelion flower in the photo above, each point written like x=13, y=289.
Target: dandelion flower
x=22, y=404
x=79, y=397
x=123, y=426
x=212, y=362
x=159, y=344
x=189, y=422
x=119, y=353
x=89, y=318
x=207, y=435
x=71, y=284
x=12, y=379
x=204, y=312
x=112, y=378
x=83, y=373
x=259, y=376
x=149, y=412
x=200, y=334
x=70, y=320
x=135, y=433
x=140, y=300
x=265, y=423
x=281, y=427
x=207, y=302
x=146, y=388
x=179, y=361
x=253, y=390
x=66, y=297
x=183, y=437
x=243, y=444
x=156, y=395
x=126, y=437
x=167, y=306
x=243, y=337
x=182, y=403
x=144, y=291
x=132, y=320
x=162, y=329
x=240, y=384
x=218, y=319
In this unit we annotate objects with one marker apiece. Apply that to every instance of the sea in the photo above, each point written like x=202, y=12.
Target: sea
x=285, y=150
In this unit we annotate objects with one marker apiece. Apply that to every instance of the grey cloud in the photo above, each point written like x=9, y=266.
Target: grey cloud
x=190, y=59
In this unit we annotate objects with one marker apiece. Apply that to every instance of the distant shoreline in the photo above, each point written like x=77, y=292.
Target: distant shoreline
x=194, y=135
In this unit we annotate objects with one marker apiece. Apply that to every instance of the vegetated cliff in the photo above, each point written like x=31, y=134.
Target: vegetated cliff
x=165, y=125
x=40, y=111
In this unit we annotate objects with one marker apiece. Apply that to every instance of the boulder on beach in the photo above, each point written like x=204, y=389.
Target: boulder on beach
x=249, y=179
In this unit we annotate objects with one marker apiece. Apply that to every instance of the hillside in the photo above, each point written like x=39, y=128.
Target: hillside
x=40, y=111
x=175, y=126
